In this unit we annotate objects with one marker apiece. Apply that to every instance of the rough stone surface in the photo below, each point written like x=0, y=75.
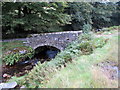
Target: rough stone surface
x=58, y=39
x=8, y=85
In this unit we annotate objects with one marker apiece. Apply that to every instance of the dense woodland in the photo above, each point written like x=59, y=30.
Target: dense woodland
x=41, y=17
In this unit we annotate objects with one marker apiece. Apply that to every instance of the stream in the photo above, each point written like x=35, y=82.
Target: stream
x=23, y=67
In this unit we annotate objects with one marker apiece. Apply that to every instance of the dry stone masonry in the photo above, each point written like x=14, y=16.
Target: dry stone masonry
x=57, y=39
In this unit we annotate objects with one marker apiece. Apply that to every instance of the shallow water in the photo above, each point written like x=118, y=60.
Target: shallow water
x=22, y=67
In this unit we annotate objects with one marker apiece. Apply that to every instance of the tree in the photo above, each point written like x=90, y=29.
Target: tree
x=117, y=18
x=81, y=14
x=92, y=14
x=33, y=17
x=102, y=13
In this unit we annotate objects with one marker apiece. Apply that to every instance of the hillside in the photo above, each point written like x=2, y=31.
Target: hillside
x=97, y=70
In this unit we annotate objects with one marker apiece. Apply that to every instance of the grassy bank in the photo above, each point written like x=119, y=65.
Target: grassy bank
x=83, y=73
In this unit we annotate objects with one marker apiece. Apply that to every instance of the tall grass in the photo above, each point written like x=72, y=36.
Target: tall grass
x=83, y=73
x=80, y=48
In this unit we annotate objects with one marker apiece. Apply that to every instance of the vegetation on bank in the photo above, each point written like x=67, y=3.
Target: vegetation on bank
x=15, y=51
x=75, y=66
x=84, y=72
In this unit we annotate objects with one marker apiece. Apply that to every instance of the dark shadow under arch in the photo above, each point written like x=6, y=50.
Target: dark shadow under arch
x=46, y=53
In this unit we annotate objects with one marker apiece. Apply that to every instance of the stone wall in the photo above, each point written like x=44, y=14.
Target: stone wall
x=57, y=39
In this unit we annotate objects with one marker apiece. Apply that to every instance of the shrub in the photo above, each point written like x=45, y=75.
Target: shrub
x=73, y=48
x=67, y=56
x=111, y=28
x=86, y=47
x=14, y=56
x=86, y=36
x=37, y=75
x=62, y=58
x=87, y=28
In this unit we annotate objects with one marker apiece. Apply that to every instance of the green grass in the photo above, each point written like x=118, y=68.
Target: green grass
x=83, y=73
x=6, y=46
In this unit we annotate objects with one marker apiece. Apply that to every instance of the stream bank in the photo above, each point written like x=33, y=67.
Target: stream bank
x=42, y=54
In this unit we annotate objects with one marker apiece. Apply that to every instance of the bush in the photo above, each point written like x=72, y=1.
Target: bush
x=67, y=56
x=87, y=28
x=86, y=47
x=14, y=56
x=86, y=36
x=111, y=28
x=37, y=75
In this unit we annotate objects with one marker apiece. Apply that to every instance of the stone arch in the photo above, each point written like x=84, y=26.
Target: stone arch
x=59, y=39
x=55, y=46
x=46, y=52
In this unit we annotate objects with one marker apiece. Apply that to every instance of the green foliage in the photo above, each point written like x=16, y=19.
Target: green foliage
x=42, y=72
x=86, y=36
x=89, y=43
x=111, y=28
x=33, y=17
x=86, y=47
x=13, y=57
x=94, y=14
x=86, y=28
x=37, y=75
x=81, y=13
x=40, y=17
x=63, y=57
x=15, y=51
x=103, y=14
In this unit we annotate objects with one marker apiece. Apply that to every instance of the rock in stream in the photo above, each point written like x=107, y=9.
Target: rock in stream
x=8, y=85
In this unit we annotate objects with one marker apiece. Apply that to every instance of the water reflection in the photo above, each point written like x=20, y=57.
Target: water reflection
x=42, y=54
x=46, y=53
x=51, y=54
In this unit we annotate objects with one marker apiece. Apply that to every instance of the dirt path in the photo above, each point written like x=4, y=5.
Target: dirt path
x=110, y=69
x=107, y=35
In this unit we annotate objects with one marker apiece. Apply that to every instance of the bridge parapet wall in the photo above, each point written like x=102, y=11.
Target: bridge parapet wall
x=57, y=39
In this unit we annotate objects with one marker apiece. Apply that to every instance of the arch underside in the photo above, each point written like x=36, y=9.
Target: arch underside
x=55, y=46
x=46, y=53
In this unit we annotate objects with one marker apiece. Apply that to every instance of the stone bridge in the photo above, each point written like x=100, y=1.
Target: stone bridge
x=58, y=40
